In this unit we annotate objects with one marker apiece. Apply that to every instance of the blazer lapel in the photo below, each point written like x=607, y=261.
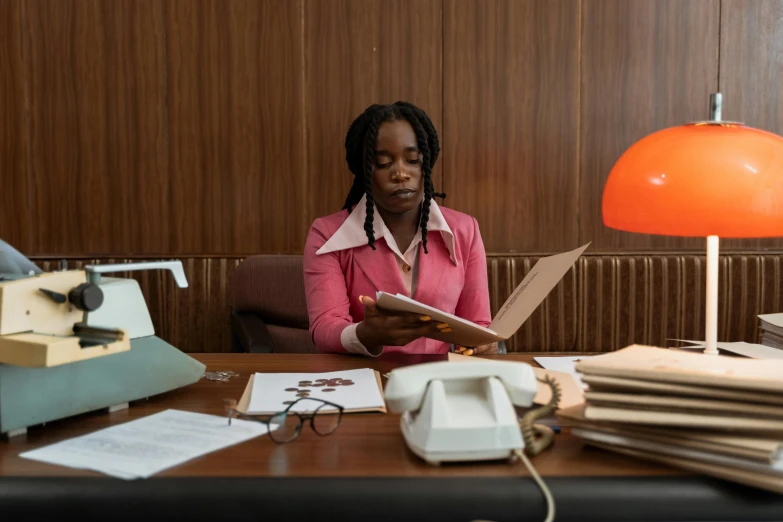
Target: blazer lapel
x=380, y=267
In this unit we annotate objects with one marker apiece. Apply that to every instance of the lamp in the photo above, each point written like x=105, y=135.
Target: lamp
x=706, y=179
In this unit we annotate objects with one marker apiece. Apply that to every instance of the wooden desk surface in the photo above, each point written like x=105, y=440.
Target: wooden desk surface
x=364, y=444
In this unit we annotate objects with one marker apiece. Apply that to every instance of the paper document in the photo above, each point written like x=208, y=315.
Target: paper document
x=563, y=364
x=143, y=447
x=522, y=302
x=754, y=351
x=776, y=466
x=772, y=324
x=354, y=390
x=662, y=365
x=773, y=319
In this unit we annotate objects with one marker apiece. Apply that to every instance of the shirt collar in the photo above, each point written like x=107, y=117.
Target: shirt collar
x=351, y=233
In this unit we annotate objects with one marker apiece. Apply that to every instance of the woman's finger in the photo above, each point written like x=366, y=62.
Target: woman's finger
x=370, y=308
x=486, y=349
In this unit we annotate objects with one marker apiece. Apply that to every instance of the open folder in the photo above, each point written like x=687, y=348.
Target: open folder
x=525, y=298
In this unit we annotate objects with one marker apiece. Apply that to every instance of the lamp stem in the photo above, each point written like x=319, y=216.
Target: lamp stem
x=711, y=313
x=716, y=106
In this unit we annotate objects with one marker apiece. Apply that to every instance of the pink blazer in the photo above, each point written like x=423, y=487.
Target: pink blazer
x=335, y=280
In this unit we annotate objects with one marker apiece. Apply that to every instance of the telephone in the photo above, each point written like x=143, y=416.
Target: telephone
x=465, y=412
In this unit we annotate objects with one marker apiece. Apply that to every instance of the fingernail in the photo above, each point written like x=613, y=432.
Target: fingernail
x=446, y=330
x=443, y=325
x=425, y=318
x=469, y=352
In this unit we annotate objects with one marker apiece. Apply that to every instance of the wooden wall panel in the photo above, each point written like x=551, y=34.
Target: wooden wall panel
x=646, y=65
x=235, y=80
x=97, y=103
x=751, y=74
x=510, y=73
x=16, y=224
x=194, y=319
x=604, y=302
x=361, y=52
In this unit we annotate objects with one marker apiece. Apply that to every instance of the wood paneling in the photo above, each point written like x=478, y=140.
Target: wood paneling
x=646, y=65
x=510, y=72
x=235, y=80
x=185, y=127
x=194, y=319
x=361, y=52
x=605, y=302
x=97, y=102
x=16, y=224
x=751, y=74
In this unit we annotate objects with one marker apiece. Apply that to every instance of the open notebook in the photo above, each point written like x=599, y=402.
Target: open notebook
x=533, y=289
x=357, y=390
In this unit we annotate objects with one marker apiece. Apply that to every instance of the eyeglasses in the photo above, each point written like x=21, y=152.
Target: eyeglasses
x=286, y=425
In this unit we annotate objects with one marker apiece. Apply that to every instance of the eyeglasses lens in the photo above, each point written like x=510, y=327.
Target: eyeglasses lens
x=326, y=419
x=285, y=426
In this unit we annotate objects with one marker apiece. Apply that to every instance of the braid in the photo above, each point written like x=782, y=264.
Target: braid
x=369, y=155
x=360, y=155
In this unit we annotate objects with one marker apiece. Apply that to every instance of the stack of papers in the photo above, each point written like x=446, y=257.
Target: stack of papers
x=713, y=414
x=144, y=447
x=771, y=326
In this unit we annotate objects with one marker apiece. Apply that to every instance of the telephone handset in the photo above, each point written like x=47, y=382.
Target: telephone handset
x=406, y=386
x=465, y=411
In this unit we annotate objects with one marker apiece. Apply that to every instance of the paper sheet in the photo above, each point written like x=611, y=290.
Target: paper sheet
x=144, y=447
x=776, y=466
x=522, y=302
x=773, y=319
x=464, y=333
x=532, y=291
x=563, y=364
x=271, y=391
x=754, y=351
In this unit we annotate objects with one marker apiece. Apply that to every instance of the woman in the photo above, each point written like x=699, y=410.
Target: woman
x=392, y=237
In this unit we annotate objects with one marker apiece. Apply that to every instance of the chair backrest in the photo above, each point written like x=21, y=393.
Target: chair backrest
x=272, y=287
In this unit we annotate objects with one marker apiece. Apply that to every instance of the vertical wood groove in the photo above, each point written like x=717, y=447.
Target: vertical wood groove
x=193, y=120
x=17, y=224
x=28, y=132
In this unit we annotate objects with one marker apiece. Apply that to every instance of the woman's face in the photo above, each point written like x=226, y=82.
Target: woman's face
x=397, y=185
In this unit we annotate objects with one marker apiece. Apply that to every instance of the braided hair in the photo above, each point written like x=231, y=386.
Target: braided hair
x=360, y=153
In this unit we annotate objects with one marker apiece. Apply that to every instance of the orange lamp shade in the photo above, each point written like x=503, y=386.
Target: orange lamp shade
x=701, y=179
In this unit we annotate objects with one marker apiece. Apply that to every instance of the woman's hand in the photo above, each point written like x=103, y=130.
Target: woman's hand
x=484, y=349
x=386, y=328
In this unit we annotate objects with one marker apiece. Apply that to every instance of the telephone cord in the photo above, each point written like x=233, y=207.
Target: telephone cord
x=550, y=502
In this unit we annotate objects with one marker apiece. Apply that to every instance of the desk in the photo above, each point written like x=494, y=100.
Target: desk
x=363, y=471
